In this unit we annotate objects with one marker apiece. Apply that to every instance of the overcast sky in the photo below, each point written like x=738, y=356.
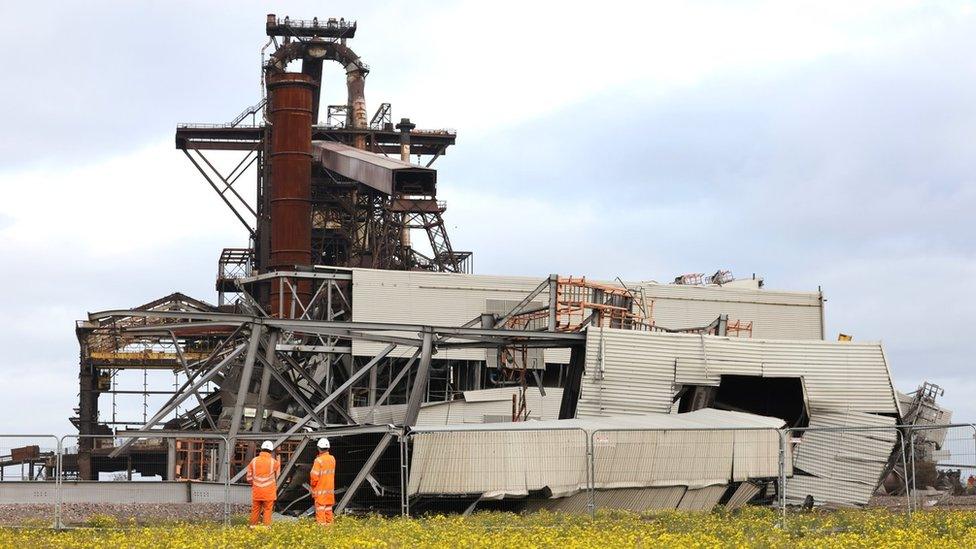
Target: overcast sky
x=815, y=144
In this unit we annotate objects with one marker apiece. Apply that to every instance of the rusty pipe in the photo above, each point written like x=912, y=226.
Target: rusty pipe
x=356, y=113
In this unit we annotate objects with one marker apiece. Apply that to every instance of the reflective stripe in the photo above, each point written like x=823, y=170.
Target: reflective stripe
x=261, y=481
x=323, y=507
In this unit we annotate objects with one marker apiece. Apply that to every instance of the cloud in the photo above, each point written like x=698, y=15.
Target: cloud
x=93, y=82
x=115, y=233
x=816, y=144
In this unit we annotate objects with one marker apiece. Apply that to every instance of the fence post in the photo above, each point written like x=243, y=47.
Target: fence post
x=404, y=474
x=783, y=436
x=911, y=448
x=973, y=426
x=591, y=475
x=227, y=455
x=58, y=473
x=59, y=486
x=904, y=468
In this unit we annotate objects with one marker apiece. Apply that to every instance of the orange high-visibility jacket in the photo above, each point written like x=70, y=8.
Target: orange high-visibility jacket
x=262, y=473
x=322, y=479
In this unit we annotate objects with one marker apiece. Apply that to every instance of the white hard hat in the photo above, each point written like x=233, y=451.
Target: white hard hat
x=267, y=445
x=323, y=443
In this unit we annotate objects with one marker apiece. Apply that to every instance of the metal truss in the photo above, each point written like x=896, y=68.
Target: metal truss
x=210, y=172
x=307, y=354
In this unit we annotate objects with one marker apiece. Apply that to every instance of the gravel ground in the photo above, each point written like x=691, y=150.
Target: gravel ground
x=77, y=514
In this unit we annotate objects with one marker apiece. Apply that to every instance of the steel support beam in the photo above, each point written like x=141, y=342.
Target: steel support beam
x=257, y=333
x=222, y=197
x=396, y=381
x=269, y=353
x=186, y=370
x=553, y=301
x=321, y=406
x=315, y=326
x=413, y=410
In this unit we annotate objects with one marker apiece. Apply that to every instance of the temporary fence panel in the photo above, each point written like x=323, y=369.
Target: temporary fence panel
x=852, y=455
x=522, y=468
x=944, y=467
x=28, y=480
x=141, y=481
x=626, y=459
x=685, y=469
x=498, y=463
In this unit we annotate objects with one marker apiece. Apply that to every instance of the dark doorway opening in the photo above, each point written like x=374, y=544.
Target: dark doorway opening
x=780, y=397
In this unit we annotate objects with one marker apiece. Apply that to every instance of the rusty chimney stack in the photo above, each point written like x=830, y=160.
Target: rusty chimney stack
x=291, y=97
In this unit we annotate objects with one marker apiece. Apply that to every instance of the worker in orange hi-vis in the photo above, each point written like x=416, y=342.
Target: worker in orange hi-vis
x=262, y=473
x=322, y=483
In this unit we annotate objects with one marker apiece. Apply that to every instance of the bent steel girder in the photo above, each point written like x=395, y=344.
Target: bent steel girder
x=324, y=326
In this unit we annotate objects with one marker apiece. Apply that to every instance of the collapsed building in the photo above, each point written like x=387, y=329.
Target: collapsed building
x=351, y=310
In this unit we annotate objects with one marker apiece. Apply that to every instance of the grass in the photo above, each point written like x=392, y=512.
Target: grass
x=753, y=527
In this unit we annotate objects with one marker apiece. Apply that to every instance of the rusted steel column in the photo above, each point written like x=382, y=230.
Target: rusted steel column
x=291, y=96
x=356, y=117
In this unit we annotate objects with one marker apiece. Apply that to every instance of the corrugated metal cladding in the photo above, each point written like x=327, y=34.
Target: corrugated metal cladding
x=512, y=460
x=638, y=500
x=631, y=372
x=845, y=384
x=448, y=299
x=745, y=492
x=857, y=456
x=854, y=459
x=478, y=407
x=701, y=499
x=498, y=463
x=826, y=490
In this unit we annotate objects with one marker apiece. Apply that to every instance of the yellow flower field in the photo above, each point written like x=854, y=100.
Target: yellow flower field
x=749, y=528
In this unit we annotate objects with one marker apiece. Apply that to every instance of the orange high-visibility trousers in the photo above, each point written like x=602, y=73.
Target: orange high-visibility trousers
x=323, y=514
x=261, y=505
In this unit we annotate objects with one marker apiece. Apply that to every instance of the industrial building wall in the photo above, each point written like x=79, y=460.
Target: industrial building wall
x=774, y=314
x=440, y=299
x=448, y=299
x=504, y=460
x=631, y=372
x=845, y=384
